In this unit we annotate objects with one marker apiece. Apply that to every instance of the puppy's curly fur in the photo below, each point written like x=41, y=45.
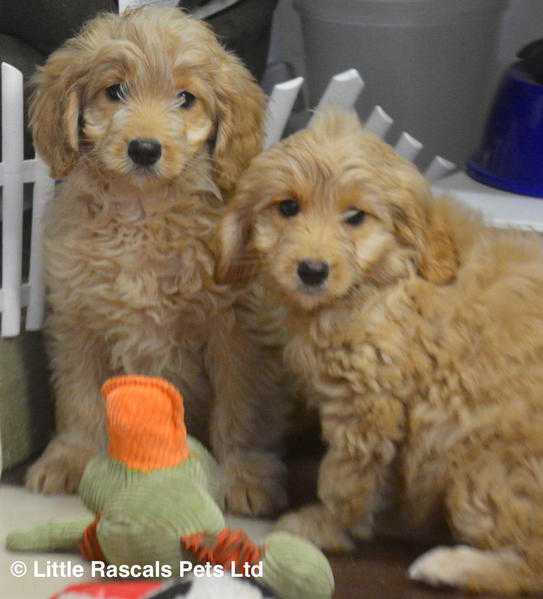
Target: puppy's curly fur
x=130, y=249
x=423, y=349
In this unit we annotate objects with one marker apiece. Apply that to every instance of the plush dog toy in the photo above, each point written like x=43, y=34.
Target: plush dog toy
x=157, y=497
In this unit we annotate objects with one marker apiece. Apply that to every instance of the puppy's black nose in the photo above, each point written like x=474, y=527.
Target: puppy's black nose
x=144, y=151
x=313, y=273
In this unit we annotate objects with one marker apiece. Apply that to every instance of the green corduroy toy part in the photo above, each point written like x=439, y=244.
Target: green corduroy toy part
x=157, y=497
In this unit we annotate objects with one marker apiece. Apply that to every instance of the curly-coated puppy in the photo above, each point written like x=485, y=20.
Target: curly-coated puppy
x=151, y=121
x=419, y=331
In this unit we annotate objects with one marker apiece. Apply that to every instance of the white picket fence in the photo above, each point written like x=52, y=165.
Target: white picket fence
x=343, y=90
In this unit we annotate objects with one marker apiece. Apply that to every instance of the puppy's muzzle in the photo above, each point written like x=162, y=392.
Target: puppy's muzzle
x=144, y=152
x=313, y=273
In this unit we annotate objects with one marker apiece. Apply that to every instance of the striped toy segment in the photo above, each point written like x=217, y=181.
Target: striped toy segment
x=89, y=546
x=228, y=548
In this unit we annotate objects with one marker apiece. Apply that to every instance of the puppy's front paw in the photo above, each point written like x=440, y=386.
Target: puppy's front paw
x=475, y=570
x=459, y=566
x=255, y=484
x=316, y=524
x=59, y=469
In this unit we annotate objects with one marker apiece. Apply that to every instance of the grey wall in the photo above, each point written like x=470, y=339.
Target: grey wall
x=523, y=22
x=286, y=44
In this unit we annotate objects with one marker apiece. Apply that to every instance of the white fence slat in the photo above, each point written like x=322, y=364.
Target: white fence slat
x=342, y=91
x=126, y=4
x=25, y=296
x=12, y=198
x=280, y=106
x=408, y=147
x=29, y=168
x=43, y=190
x=439, y=167
x=379, y=122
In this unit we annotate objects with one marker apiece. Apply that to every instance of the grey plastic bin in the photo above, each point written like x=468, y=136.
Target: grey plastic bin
x=426, y=62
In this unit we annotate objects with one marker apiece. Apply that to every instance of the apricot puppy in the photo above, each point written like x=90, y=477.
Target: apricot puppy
x=150, y=121
x=419, y=331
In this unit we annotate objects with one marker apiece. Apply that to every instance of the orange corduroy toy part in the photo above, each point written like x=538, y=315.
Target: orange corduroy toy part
x=89, y=546
x=145, y=419
x=225, y=548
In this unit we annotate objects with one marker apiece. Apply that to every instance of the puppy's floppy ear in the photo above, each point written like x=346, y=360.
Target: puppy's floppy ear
x=241, y=106
x=237, y=262
x=54, y=112
x=439, y=258
x=420, y=222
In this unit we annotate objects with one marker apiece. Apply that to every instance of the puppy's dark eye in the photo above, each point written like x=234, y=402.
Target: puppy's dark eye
x=185, y=99
x=355, y=217
x=115, y=92
x=289, y=208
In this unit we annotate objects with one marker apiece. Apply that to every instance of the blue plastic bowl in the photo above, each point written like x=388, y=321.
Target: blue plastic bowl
x=511, y=153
